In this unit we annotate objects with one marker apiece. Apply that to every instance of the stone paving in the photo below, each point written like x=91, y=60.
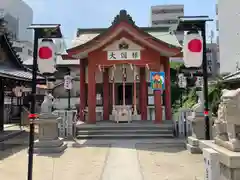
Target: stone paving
x=106, y=160
x=169, y=163
x=76, y=163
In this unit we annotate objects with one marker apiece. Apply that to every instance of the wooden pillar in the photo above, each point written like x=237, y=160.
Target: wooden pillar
x=113, y=89
x=143, y=94
x=82, y=89
x=110, y=96
x=113, y=95
x=1, y=105
x=134, y=91
x=106, y=94
x=158, y=106
x=168, y=106
x=91, y=94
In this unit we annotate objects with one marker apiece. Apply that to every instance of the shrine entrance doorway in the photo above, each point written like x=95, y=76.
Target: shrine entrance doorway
x=128, y=94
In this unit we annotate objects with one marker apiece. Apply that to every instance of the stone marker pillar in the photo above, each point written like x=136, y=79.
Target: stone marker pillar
x=211, y=164
x=49, y=141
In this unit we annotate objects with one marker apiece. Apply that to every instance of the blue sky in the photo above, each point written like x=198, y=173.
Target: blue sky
x=73, y=14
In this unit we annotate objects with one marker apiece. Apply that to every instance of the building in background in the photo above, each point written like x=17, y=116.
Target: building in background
x=212, y=59
x=228, y=16
x=167, y=16
x=24, y=49
x=18, y=16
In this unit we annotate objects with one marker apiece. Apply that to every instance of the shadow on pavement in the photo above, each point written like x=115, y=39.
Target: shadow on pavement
x=160, y=145
x=11, y=151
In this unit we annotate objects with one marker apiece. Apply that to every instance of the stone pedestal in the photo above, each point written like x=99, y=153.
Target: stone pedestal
x=49, y=141
x=227, y=140
x=198, y=133
x=229, y=161
x=136, y=117
x=123, y=114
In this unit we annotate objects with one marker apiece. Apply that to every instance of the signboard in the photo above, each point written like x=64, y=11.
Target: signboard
x=182, y=81
x=211, y=163
x=176, y=59
x=124, y=55
x=68, y=82
x=157, y=80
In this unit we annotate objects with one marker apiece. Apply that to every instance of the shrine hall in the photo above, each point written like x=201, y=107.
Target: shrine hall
x=115, y=66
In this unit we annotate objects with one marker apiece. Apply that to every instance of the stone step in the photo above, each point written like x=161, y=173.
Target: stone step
x=168, y=127
x=123, y=131
x=123, y=136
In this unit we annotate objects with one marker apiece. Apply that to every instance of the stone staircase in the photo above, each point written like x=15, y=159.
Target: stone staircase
x=111, y=130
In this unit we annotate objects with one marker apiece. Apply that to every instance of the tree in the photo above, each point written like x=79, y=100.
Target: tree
x=215, y=93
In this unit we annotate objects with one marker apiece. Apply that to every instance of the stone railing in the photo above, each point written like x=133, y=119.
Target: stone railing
x=67, y=123
x=183, y=127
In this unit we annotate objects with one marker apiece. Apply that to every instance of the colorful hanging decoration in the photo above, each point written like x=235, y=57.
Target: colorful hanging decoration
x=157, y=80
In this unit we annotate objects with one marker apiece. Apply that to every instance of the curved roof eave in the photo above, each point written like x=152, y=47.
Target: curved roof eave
x=125, y=18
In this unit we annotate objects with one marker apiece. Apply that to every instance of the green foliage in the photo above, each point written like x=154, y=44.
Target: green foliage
x=176, y=65
x=175, y=90
x=191, y=98
x=214, y=95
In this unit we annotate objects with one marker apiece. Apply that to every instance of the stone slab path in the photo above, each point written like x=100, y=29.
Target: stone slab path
x=122, y=163
x=107, y=160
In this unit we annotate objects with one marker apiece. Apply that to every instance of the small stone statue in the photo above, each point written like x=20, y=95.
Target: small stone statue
x=46, y=107
x=220, y=124
x=199, y=107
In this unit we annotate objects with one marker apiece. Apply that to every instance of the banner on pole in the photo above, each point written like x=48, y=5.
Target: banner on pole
x=157, y=80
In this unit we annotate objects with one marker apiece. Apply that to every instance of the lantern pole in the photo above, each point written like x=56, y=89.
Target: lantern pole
x=32, y=116
x=205, y=83
x=39, y=32
x=198, y=23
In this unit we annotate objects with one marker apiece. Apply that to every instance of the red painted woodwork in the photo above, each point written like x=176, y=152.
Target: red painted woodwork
x=143, y=94
x=82, y=89
x=106, y=94
x=91, y=93
x=149, y=55
x=158, y=106
x=168, y=104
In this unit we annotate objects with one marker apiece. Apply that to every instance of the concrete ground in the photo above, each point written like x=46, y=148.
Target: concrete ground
x=107, y=160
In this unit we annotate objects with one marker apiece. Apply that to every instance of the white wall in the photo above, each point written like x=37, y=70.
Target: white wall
x=62, y=103
x=20, y=10
x=229, y=34
x=157, y=14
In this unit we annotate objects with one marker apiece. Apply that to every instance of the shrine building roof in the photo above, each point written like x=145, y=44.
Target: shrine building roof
x=90, y=38
x=161, y=33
